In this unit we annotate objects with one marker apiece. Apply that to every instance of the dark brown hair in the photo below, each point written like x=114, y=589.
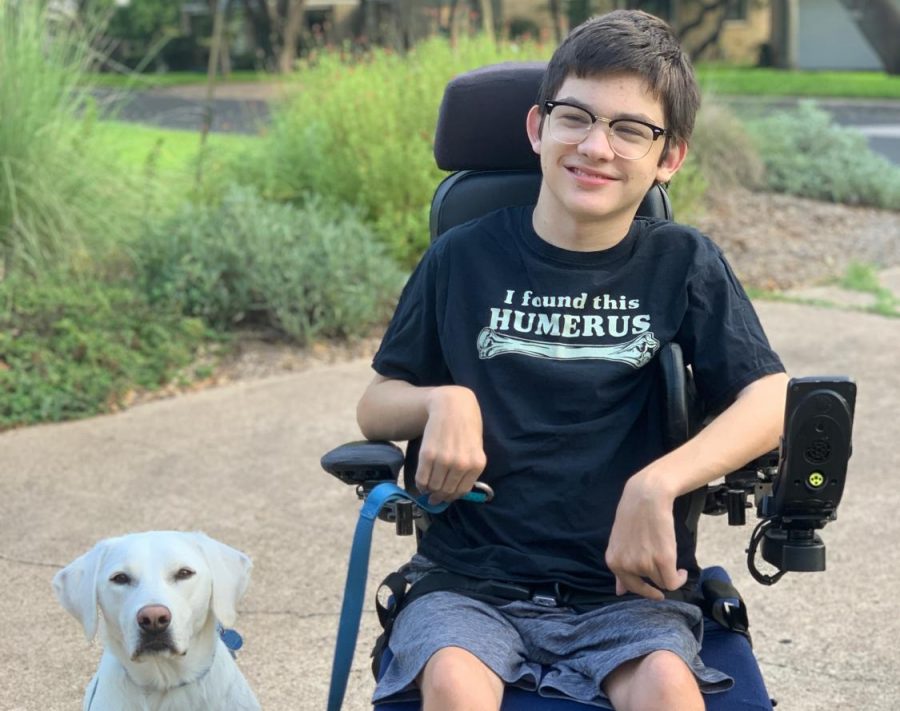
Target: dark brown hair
x=630, y=41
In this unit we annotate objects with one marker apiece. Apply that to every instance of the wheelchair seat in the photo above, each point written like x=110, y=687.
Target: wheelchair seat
x=481, y=138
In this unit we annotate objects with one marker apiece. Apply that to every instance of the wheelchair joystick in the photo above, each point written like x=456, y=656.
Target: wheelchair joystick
x=809, y=483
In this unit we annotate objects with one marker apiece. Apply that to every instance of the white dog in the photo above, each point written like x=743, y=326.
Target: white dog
x=162, y=596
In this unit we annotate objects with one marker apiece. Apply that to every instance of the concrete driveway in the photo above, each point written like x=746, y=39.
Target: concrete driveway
x=241, y=463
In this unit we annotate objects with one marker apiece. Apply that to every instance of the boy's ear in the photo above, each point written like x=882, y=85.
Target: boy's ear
x=533, y=125
x=671, y=161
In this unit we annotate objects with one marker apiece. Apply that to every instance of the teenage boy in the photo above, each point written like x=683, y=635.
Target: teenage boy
x=522, y=353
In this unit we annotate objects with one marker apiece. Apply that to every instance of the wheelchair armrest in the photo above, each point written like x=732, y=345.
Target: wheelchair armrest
x=731, y=496
x=364, y=464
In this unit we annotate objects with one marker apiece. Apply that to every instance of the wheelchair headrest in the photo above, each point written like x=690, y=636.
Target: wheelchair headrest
x=481, y=124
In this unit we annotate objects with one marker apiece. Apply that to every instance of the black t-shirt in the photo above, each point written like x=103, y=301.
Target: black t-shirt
x=559, y=348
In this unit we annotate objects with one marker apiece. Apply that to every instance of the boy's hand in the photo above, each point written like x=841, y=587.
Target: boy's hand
x=642, y=542
x=452, y=456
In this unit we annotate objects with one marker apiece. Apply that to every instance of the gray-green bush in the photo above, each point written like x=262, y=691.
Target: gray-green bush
x=806, y=154
x=310, y=272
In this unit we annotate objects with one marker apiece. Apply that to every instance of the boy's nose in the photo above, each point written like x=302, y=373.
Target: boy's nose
x=596, y=144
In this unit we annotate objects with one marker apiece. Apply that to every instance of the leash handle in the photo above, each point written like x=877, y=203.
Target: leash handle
x=357, y=570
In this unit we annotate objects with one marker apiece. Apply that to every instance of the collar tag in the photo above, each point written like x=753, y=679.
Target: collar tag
x=232, y=639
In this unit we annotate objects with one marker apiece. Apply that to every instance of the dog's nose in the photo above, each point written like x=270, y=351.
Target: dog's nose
x=154, y=618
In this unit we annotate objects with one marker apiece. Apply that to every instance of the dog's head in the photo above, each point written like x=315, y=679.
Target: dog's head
x=156, y=590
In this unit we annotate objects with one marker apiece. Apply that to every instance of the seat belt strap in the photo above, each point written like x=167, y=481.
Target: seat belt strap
x=357, y=571
x=724, y=604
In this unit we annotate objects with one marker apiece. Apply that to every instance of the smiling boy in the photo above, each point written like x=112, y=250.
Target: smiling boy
x=522, y=353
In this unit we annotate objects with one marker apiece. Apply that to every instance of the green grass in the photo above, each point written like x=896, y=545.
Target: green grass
x=864, y=278
x=779, y=82
x=169, y=150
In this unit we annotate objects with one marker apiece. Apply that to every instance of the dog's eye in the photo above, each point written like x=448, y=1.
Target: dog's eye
x=184, y=574
x=120, y=579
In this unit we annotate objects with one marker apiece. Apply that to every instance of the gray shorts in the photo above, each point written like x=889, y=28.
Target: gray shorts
x=555, y=651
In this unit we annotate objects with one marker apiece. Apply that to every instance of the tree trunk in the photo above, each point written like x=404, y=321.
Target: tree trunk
x=556, y=17
x=487, y=18
x=290, y=36
x=879, y=21
x=452, y=22
x=257, y=14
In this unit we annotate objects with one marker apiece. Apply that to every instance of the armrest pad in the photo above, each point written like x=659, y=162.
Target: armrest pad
x=359, y=462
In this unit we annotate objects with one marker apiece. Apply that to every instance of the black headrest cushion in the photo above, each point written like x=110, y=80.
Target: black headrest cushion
x=481, y=125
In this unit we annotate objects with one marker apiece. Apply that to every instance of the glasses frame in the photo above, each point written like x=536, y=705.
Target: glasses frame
x=656, y=130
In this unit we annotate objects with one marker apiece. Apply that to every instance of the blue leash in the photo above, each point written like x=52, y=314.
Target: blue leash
x=357, y=571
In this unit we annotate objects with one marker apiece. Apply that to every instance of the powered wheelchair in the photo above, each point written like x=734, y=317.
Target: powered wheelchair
x=796, y=490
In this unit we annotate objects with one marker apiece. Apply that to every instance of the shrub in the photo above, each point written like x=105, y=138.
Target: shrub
x=310, y=272
x=724, y=150
x=687, y=191
x=61, y=196
x=361, y=131
x=71, y=349
x=806, y=154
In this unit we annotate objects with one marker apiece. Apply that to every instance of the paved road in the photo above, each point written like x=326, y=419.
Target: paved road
x=241, y=463
x=184, y=107
x=186, y=110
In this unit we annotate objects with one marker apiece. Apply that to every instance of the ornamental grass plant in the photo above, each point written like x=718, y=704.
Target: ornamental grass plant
x=62, y=196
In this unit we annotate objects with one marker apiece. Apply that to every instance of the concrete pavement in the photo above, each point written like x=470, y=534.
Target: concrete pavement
x=241, y=463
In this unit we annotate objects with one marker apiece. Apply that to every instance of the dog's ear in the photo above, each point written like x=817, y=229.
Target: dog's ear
x=76, y=588
x=230, y=571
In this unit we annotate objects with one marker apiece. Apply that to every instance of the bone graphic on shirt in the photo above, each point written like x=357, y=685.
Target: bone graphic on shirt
x=636, y=352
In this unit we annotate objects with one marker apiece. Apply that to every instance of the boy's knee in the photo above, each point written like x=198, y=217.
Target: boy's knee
x=454, y=678
x=661, y=681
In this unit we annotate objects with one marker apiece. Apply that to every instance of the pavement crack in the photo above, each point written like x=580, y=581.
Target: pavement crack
x=34, y=563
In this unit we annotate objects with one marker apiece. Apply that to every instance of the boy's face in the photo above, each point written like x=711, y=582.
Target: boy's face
x=588, y=181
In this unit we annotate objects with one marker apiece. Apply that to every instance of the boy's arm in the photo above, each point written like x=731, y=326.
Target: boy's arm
x=642, y=542
x=447, y=418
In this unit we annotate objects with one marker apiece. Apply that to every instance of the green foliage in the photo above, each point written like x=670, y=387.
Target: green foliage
x=806, y=154
x=687, y=190
x=861, y=277
x=864, y=278
x=310, y=272
x=360, y=131
x=72, y=349
x=141, y=18
x=724, y=150
x=61, y=196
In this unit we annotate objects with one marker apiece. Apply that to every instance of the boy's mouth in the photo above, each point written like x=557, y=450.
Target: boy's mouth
x=592, y=176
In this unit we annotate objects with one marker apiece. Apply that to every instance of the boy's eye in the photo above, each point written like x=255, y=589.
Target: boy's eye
x=630, y=130
x=120, y=579
x=575, y=118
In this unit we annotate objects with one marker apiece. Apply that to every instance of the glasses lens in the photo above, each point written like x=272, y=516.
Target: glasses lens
x=630, y=139
x=569, y=124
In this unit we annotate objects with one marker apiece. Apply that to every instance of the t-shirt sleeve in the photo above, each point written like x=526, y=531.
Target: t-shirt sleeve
x=721, y=336
x=411, y=347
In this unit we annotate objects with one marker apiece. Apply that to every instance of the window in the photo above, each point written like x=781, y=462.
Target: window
x=736, y=10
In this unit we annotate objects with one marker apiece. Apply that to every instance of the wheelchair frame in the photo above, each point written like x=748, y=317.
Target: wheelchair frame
x=507, y=160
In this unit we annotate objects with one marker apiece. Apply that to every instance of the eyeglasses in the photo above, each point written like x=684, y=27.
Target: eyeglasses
x=628, y=138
